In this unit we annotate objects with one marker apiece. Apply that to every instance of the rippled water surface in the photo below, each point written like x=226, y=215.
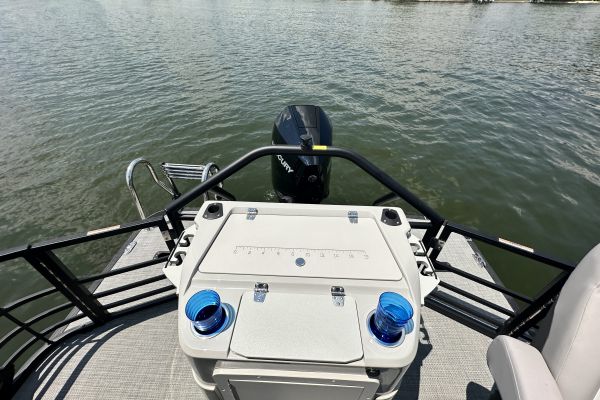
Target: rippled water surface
x=489, y=113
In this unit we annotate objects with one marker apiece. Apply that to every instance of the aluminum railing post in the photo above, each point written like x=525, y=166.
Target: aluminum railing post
x=432, y=242
x=168, y=234
x=53, y=269
x=175, y=220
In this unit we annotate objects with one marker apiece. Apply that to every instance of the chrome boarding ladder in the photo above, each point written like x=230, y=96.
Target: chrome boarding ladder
x=173, y=171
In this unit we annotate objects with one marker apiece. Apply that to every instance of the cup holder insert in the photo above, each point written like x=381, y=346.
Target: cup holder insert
x=208, y=316
x=391, y=320
x=228, y=315
x=373, y=329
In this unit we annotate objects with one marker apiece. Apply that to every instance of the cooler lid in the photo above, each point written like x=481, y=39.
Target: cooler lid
x=299, y=327
x=301, y=246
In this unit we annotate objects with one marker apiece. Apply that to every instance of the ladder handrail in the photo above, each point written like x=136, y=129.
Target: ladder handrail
x=129, y=179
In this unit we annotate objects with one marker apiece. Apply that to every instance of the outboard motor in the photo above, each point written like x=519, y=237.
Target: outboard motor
x=301, y=179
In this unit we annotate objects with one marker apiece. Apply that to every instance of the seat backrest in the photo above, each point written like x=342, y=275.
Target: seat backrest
x=572, y=349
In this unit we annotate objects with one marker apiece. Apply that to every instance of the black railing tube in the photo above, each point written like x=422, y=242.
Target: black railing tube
x=128, y=286
x=52, y=328
x=51, y=268
x=444, y=235
x=478, y=299
x=535, y=311
x=12, y=253
x=445, y=266
x=457, y=313
x=176, y=205
x=7, y=377
x=27, y=299
x=82, y=237
x=19, y=352
x=122, y=270
x=21, y=326
x=27, y=324
x=506, y=245
x=174, y=218
x=96, y=234
x=168, y=235
x=140, y=296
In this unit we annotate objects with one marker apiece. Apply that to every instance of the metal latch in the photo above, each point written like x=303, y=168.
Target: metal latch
x=337, y=295
x=260, y=291
x=353, y=217
x=251, y=214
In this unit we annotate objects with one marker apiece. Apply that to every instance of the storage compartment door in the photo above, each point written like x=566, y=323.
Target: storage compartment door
x=271, y=384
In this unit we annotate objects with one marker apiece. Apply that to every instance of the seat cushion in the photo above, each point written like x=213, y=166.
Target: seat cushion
x=571, y=349
x=520, y=371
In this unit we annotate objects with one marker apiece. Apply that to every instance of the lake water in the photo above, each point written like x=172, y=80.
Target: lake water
x=489, y=113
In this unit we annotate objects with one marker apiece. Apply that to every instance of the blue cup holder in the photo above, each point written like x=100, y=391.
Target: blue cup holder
x=392, y=319
x=207, y=314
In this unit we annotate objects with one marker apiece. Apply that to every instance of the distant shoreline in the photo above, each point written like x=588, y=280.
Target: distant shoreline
x=510, y=1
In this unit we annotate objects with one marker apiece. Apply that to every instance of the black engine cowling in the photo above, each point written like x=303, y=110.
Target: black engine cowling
x=301, y=179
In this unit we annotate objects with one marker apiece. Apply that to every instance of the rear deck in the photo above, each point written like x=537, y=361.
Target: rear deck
x=138, y=355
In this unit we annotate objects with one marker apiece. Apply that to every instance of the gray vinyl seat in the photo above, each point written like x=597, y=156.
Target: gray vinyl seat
x=568, y=367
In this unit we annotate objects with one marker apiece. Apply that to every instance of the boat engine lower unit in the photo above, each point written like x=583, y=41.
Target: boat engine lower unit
x=299, y=301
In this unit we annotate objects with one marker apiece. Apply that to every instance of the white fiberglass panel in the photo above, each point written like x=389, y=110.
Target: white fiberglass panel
x=302, y=246
x=302, y=327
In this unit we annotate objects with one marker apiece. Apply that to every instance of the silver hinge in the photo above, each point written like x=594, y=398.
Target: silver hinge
x=251, y=214
x=337, y=295
x=260, y=291
x=353, y=217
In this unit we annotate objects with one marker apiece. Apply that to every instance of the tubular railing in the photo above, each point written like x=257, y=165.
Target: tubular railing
x=42, y=257
x=519, y=322
x=173, y=209
x=437, y=232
